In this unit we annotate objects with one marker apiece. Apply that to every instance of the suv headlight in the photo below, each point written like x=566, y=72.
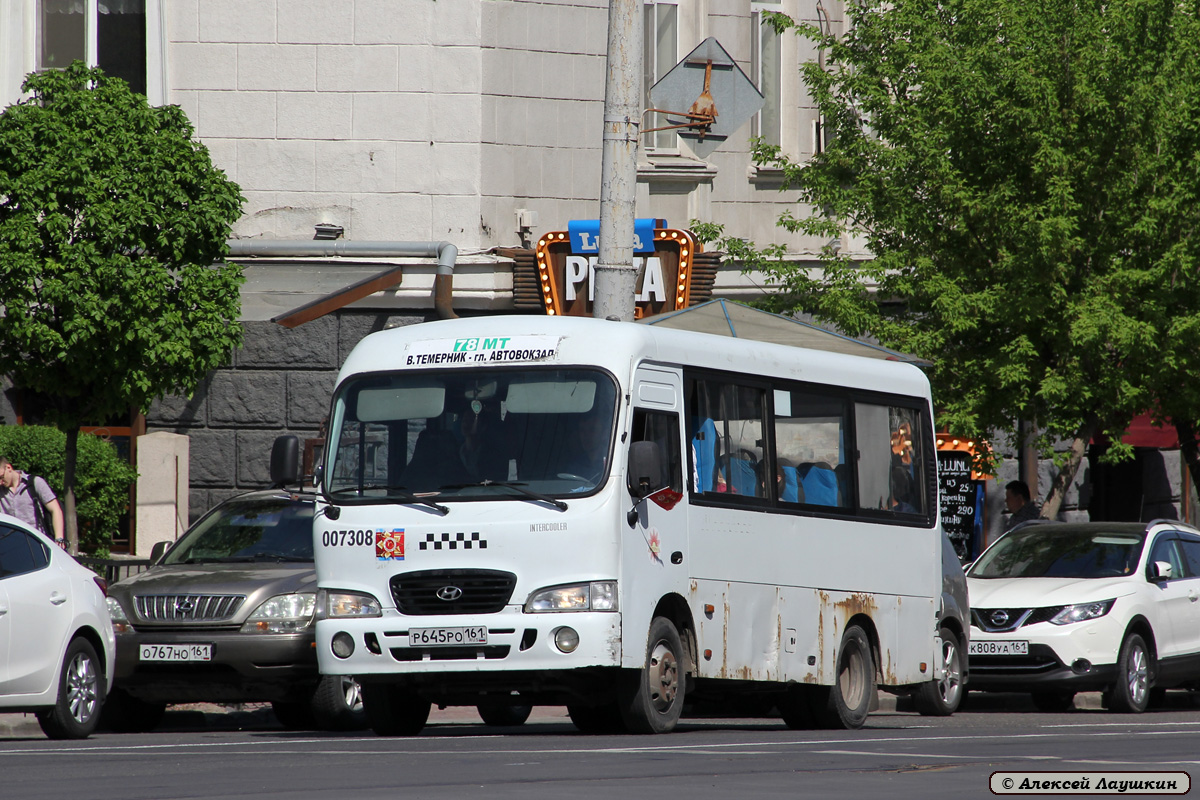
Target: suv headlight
x=594, y=596
x=339, y=605
x=283, y=613
x=117, y=614
x=1082, y=611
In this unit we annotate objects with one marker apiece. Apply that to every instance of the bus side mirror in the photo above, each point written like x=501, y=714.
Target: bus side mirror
x=1160, y=571
x=285, y=461
x=643, y=476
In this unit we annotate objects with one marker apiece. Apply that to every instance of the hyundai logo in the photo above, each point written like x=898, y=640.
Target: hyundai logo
x=449, y=593
x=999, y=617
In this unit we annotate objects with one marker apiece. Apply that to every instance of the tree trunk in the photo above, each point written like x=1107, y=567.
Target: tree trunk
x=1062, y=481
x=1186, y=432
x=70, y=521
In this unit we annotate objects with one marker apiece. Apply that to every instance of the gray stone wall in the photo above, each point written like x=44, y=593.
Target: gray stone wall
x=279, y=382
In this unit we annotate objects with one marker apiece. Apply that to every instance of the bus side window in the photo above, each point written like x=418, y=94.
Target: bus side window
x=810, y=447
x=890, y=465
x=662, y=428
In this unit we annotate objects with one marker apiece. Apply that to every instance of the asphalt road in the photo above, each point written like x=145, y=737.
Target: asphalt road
x=209, y=752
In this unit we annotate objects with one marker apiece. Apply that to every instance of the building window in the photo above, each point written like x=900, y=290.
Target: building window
x=110, y=34
x=660, y=53
x=767, y=66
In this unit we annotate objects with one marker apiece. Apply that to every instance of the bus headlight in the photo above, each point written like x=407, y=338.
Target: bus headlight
x=339, y=605
x=594, y=596
x=283, y=613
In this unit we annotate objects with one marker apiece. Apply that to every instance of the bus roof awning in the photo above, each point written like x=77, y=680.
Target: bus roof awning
x=729, y=318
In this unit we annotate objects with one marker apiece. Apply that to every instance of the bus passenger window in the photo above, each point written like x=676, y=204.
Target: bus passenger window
x=725, y=422
x=810, y=448
x=890, y=467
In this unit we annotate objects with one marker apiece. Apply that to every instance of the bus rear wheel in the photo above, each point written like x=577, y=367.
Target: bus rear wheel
x=651, y=700
x=394, y=710
x=847, y=703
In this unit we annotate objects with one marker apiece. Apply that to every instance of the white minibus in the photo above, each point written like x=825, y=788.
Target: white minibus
x=520, y=510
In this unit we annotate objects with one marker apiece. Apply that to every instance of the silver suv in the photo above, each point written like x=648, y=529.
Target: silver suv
x=226, y=616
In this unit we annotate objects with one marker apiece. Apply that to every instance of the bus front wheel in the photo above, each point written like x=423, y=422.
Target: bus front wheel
x=651, y=700
x=394, y=710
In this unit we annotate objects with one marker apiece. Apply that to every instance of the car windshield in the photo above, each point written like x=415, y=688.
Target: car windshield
x=271, y=529
x=470, y=434
x=1050, y=551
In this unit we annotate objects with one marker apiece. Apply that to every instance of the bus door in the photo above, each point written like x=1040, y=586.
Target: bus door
x=654, y=545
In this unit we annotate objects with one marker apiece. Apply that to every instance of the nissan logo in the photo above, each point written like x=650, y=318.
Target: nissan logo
x=449, y=593
x=999, y=617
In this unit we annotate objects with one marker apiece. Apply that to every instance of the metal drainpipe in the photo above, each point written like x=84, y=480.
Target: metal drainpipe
x=446, y=253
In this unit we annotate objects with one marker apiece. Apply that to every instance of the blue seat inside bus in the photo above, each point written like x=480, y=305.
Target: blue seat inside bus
x=820, y=484
x=743, y=474
x=704, y=455
x=791, y=485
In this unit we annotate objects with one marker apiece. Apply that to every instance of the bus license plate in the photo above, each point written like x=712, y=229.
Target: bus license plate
x=175, y=652
x=1005, y=648
x=447, y=637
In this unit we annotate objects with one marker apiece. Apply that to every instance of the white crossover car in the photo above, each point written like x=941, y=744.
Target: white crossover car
x=1099, y=606
x=56, y=638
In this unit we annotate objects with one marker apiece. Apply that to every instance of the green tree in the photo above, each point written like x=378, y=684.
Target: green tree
x=113, y=224
x=1025, y=175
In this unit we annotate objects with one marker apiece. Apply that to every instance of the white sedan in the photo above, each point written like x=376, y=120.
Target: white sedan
x=1100, y=606
x=56, y=638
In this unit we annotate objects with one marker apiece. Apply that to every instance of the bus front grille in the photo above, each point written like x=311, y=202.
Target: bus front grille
x=452, y=591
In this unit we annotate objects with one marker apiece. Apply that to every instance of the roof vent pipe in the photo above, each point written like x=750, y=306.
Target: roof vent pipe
x=446, y=253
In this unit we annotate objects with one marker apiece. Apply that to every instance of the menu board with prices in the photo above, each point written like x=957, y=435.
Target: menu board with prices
x=961, y=501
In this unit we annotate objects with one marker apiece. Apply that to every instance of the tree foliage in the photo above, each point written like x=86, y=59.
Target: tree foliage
x=1026, y=177
x=113, y=224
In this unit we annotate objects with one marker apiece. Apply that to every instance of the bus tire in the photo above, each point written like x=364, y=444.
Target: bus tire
x=651, y=699
x=499, y=715
x=596, y=719
x=394, y=710
x=795, y=708
x=847, y=703
x=941, y=698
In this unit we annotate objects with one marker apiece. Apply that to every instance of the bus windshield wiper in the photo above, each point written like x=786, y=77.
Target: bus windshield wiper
x=399, y=493
x=517, y=487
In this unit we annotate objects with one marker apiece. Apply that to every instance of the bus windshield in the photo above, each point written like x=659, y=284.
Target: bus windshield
x=470, y=435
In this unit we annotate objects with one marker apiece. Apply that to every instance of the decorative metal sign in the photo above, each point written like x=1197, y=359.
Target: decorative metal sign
x=566, y=266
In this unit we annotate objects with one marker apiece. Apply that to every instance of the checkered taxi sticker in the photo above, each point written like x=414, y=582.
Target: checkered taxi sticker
x=453, y=541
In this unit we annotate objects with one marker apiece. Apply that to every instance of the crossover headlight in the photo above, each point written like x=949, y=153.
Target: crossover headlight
x=594, y=596
x=1082, y=611
x=283, y=613
x=117, y=614
x=339, y=605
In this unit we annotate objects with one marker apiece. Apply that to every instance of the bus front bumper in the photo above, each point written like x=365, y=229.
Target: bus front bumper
x=514, y=641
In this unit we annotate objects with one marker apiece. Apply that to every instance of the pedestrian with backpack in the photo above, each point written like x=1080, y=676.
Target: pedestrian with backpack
x=31, y=500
